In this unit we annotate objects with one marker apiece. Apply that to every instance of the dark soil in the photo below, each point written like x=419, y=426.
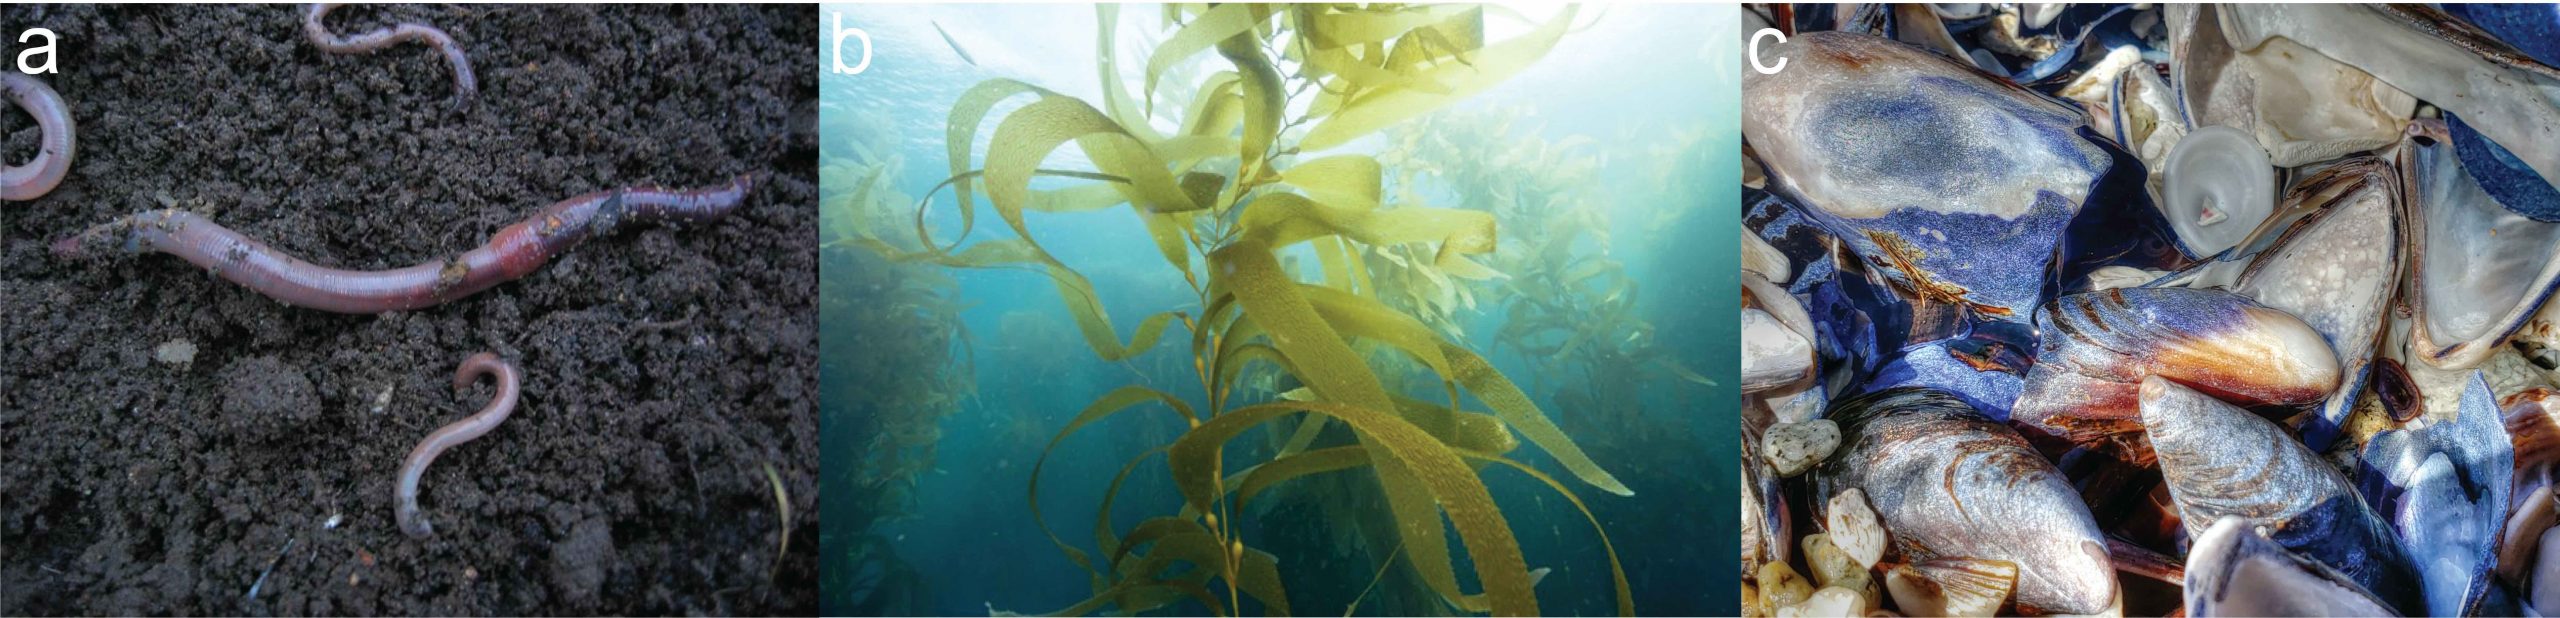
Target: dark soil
x=664, y=369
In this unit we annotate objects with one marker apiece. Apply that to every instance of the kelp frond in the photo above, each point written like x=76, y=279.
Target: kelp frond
x=1223, y=197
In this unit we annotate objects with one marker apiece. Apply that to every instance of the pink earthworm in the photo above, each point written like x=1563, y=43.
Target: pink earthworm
x=464, y=84
x=513, y=252
x=405, y=496
x=53, y=151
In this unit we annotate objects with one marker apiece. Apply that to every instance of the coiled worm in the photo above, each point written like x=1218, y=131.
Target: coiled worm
x=405, y=496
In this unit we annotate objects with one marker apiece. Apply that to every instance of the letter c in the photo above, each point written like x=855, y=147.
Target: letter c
x=1767, y=69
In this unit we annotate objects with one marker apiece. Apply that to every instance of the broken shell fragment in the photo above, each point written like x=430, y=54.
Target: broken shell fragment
x=1854, y=529
x=1827, y=603
x=1835, y=569
x=2301, y=106
x=1951, y=586
x=1781, y=586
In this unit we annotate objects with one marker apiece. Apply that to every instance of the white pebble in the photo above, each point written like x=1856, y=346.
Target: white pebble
x=1793, y=448
x=179, y=352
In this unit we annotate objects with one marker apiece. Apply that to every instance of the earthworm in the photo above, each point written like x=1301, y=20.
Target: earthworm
x=513, y=252
x=53, y=151
x=464, y=84
x=405, y=496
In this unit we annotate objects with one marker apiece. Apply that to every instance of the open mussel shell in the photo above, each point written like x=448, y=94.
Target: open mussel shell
x=1767, y=531
x=2480, y=270
x=2301, y=106
x=1956, y=186
x=2336, y=269
x=1777, y=338
x=2232, y=571
x=2221, y=461
x=2098, y=347
x=1947, y=482
x=2504, y=177
x=2420, y=50
x=2143, y=115
x=2217, y=188
x=2444, y=485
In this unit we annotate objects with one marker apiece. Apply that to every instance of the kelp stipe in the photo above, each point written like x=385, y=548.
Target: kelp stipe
x=1351, y=71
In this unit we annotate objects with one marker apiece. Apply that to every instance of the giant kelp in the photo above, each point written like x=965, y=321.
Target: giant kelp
x=1223, y=196
x=879, y=317
x=1568, y=305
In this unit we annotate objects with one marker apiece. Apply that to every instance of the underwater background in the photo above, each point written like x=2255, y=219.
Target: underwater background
x=1605, y=163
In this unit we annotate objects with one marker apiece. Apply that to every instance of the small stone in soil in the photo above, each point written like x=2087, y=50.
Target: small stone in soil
x=176, y=352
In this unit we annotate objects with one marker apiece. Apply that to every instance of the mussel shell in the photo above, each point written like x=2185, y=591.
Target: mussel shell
x=1955, y=185
x=2145, y=119
x=2418, y=49
x=1950, y=483
x=2539, y=511
x=1986, y=375
x=2546, y=574
x=2533, y=430
x=1766, y=528
x=1856, y=317
x=1763, y=259
x=2098, y=347
x=2504, y=177
x=2217, y=189
x=2444, y=486
x=2221, y=461
x=1777, y=338
x=2232, y=571
x=2480, y=271
x=2301, y=106
x=2533, y=28
x=2336, y=269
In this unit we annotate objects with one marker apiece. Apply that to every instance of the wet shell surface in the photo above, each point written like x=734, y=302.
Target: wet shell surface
x=2221, y=461
x=2100, y=346
x=1950, y=483
x=1967, y=213
x=2444, y=486
x=2336, y=269
x=2482, y=271
x=2246, y=304
x=2233, y=571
